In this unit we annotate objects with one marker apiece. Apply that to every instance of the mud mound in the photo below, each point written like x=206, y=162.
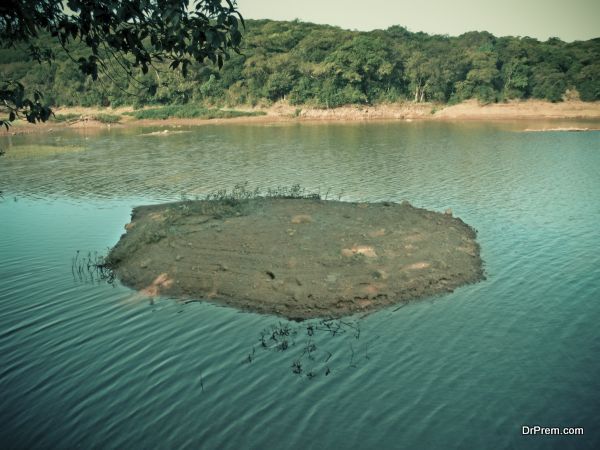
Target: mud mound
x=298, y=258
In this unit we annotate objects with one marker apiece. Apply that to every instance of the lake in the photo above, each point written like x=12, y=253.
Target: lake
x=84, y=363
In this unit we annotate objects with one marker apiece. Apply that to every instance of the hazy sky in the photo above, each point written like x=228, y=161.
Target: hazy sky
x=567, y=19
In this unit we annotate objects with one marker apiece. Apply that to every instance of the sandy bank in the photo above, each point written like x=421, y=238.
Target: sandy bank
x=530, y=110
x=469, y=110
x=298, y=258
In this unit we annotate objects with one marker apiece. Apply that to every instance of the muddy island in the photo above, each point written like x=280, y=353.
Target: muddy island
x=295, y=257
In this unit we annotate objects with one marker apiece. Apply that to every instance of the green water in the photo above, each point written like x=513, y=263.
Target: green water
x=92, y=365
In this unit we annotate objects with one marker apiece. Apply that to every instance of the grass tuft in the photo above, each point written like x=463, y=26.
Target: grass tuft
x=236, y=202
x=106, y=118
x=190, y=112
x=70, y=117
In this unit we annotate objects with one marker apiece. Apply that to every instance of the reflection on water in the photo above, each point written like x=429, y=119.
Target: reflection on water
x=86, y=365
x=383, y=161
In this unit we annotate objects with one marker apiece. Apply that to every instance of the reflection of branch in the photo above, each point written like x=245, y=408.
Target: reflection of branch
x=404, y=303
x=351, y=364
x=250, y=357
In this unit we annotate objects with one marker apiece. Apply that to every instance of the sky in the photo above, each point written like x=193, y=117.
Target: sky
x=568, y=20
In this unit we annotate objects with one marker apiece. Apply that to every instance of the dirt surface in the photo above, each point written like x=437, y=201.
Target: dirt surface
x=297, y=258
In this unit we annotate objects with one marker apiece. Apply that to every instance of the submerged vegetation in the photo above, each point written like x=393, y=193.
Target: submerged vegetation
x=91, y=268
x=305, y=342
x=325, y=66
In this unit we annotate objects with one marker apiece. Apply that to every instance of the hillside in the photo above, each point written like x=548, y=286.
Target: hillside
x=324, y=66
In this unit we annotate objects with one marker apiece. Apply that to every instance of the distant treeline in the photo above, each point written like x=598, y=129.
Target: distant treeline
x=325, y=66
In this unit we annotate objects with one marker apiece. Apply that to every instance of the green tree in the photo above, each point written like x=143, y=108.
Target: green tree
x=515, y=67
x=550, y=77
x=420, y=70
x=134, y=34
x=482, y=79
x=549, y=83
x=365, y=65
x=212, y=89
x=588, y=82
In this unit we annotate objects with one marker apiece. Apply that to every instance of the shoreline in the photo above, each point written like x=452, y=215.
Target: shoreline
x=469, y=111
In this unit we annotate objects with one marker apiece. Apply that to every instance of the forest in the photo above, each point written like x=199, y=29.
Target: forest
x=324, y=66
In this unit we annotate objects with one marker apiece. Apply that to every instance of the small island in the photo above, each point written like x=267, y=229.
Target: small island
x=299, y=258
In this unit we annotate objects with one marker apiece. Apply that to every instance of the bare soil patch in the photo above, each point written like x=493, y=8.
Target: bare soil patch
x=297, y=258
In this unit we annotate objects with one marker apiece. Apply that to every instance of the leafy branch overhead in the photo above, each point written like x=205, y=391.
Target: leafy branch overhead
x=12, y=95
x=132, y=34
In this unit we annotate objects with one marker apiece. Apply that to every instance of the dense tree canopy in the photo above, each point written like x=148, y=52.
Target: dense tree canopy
x=325, y=66
x=111, y=40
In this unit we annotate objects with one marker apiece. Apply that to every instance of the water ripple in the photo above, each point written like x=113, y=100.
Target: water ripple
x=90, y=365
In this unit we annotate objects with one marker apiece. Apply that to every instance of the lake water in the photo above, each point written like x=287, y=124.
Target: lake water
x=90, y=365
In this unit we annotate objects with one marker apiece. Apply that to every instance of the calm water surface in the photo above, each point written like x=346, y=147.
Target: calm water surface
x=91, y=365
